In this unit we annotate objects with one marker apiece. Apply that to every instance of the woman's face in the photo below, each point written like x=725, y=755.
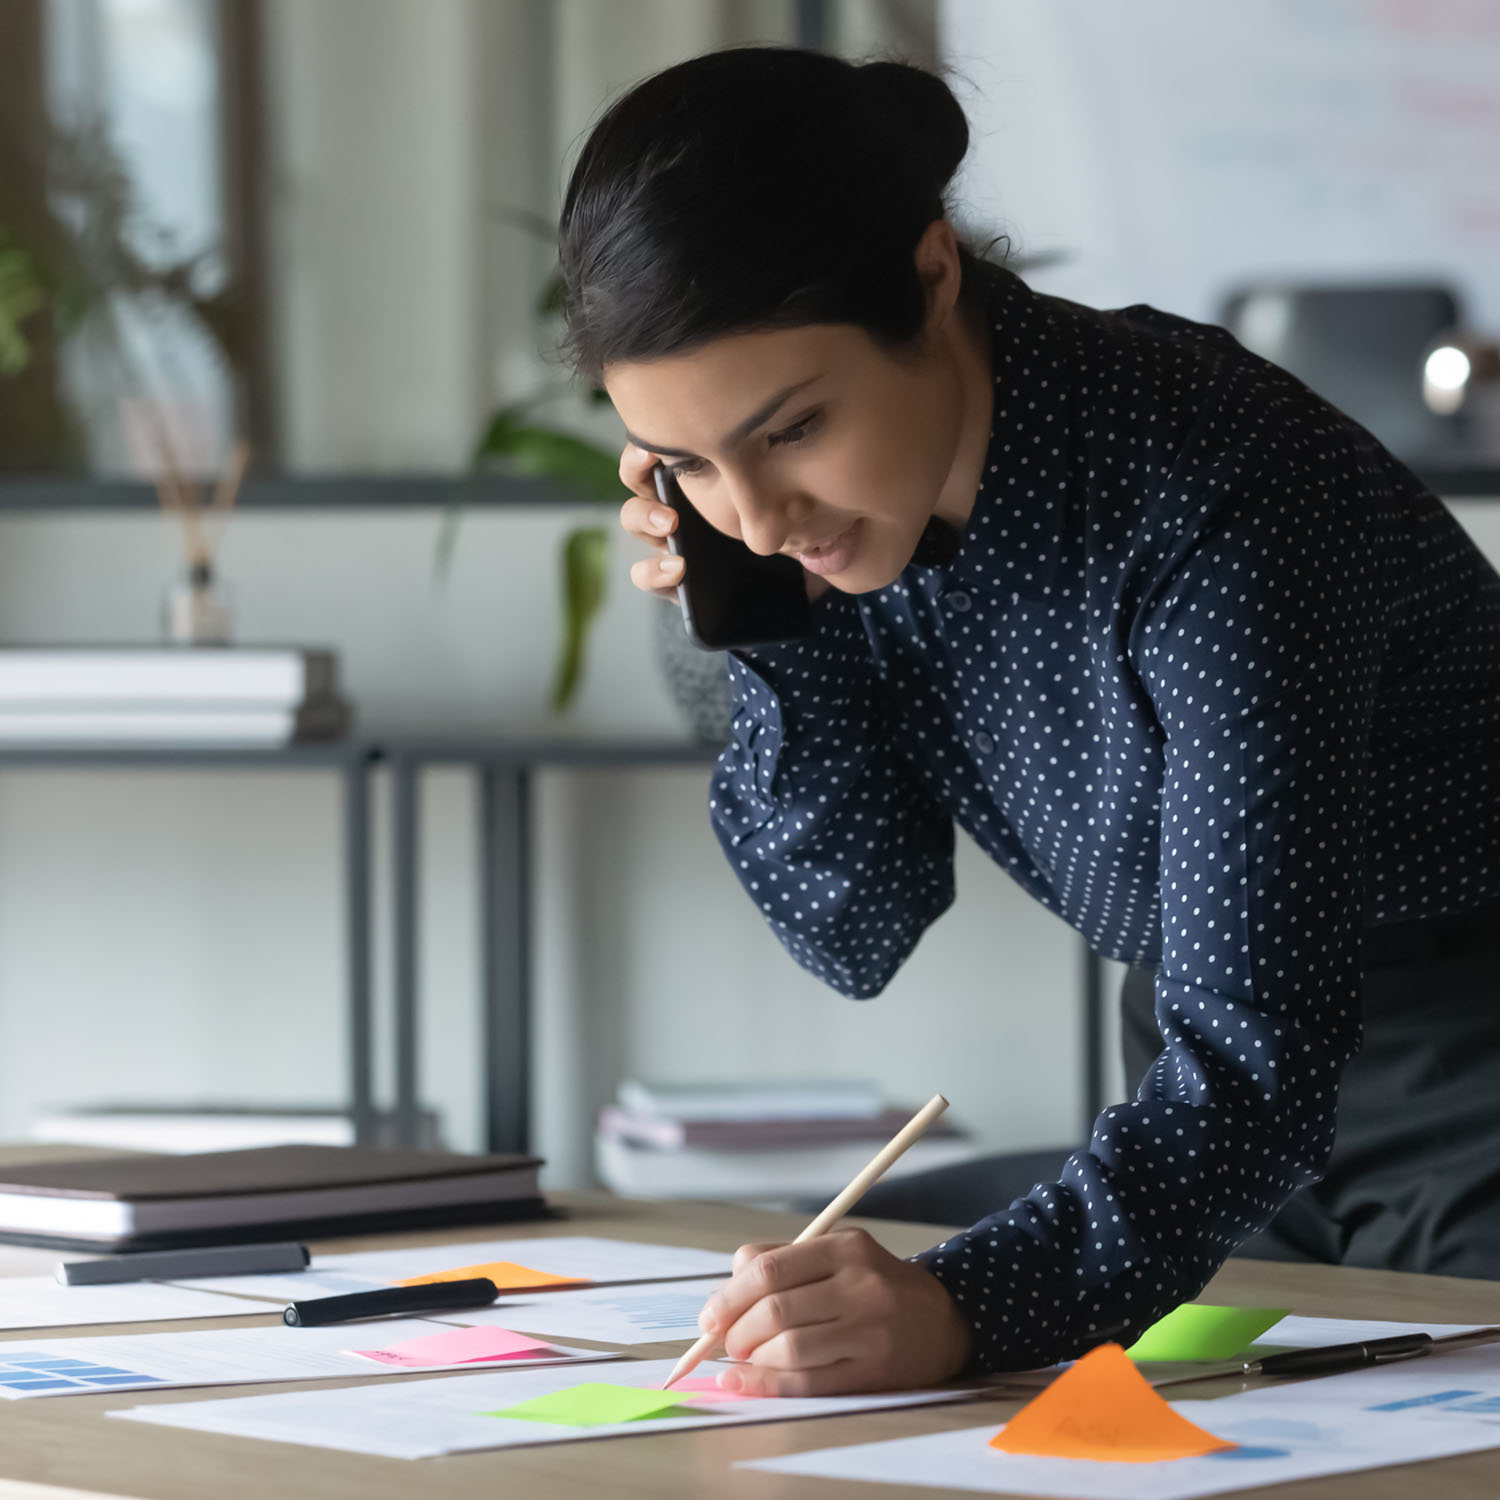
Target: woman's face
x=809, y=441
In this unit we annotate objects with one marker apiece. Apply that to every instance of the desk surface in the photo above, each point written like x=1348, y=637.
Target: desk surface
x=68, y=1442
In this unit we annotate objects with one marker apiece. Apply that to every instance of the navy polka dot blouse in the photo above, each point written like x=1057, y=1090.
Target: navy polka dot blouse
x=1217, y=681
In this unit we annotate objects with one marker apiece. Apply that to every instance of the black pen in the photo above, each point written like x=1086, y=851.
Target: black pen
x=431, y=1296
x=1336, y=1359
x=183, y=1265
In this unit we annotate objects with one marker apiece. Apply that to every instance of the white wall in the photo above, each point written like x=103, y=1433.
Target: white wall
x=1173, y=149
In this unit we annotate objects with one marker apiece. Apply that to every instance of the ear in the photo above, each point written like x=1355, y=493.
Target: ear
x=939, y=270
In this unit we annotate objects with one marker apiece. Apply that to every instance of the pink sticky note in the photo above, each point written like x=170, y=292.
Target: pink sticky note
x=706, y=1388
x=454, y=1347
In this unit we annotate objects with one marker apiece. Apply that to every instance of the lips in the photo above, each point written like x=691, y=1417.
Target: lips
x=833, y=555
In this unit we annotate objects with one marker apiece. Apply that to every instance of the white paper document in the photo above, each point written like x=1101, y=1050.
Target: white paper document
x=1278, y=1441
x=1312, y=1333
x=591, y=1257
x=611, y=1315
x=230, y=1356
x=43, y=1302
x=1464, y=1385
x=425, y=1418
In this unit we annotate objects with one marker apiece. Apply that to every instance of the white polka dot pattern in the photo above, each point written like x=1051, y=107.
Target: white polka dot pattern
x=1218, y=681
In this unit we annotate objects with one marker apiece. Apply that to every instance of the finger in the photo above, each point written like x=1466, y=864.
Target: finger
x=811, y=1347
x=764, y=1270
x=715, y=1312
x=746, y=1253
x=802, y=1307
x=841, y=1378
x=648, y=519
x=657, y=574
x=635, y=471
x=731, y=1300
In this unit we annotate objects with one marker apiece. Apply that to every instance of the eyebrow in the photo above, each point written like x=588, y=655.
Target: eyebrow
x=755, y=419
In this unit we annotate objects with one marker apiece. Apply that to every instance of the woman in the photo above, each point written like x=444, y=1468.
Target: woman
x=1207, y=671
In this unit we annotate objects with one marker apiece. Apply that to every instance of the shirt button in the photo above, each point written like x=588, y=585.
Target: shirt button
x=983, y=743
x=959, y=602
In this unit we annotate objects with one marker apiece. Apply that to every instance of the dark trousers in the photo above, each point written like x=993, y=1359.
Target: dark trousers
x=1414, y=1180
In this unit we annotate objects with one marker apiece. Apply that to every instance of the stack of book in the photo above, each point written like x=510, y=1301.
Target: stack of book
x=117, y=1203
x=191, y=1128
x=225, y=696
x=766, y=1143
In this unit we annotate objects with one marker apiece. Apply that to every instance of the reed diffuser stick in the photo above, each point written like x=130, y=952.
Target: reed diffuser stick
x=226, y=492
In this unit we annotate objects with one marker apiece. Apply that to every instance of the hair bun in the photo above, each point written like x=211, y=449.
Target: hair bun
x=919, y=110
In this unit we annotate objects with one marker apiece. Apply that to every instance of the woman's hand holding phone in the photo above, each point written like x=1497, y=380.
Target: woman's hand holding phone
x=644, y=516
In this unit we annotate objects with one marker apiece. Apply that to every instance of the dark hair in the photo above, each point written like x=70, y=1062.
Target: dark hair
x=756, y=188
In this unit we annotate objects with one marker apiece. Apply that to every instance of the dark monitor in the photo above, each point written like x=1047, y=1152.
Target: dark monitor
x=1360, y=347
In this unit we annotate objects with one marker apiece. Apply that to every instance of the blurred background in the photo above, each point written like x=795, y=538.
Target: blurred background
x=321, y=228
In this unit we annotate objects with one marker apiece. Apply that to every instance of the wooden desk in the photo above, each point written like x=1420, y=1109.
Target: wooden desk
x=67, y=1441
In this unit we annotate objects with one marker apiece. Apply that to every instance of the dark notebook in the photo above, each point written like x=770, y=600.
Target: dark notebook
x=278, y=1192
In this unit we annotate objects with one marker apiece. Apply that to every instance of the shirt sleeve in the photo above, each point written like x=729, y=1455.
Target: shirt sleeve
x=820, y=817
x=1260, y=659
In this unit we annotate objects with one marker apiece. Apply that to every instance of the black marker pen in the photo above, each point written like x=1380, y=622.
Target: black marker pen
x=431, y=1296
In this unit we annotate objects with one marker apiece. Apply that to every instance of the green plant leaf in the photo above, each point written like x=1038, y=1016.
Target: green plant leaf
x=504, y=420
x=499, y=433
x=21, y=295
x=447, y=539
x=585, y=575
x=584, y=469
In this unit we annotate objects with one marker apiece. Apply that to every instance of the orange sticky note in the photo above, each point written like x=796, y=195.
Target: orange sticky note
x=506, y=1275
x=1103, y=1407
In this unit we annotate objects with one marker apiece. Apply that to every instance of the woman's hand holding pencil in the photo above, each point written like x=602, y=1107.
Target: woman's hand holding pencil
x=834, y=1312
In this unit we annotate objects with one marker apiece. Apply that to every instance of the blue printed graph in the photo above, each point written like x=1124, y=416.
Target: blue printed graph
x=1435, y=1398
x=32, y=1370
x=667, y=1312
x=1488, y=1406
x=1278, y=1430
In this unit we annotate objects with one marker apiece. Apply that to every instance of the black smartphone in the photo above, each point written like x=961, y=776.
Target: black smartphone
x=731, y=596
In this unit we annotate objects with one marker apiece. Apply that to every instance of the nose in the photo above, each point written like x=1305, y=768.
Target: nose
x=766, y=515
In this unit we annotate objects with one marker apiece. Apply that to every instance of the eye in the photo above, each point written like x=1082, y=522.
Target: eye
x=794, y=434
x=787, y=436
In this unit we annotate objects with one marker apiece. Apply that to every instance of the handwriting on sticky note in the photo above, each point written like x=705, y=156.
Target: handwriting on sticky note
x=1102, y=1407
x=706, y=1388
x=1194, y=1331
x=456, y=1346
x=594, y=1405
x=506, y=1274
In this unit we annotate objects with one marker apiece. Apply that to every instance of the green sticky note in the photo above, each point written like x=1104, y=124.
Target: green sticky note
x=1194, y=1331
x=593, y=1405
